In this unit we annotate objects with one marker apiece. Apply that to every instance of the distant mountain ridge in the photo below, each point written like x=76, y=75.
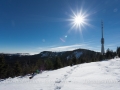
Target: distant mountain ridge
x=65, y=55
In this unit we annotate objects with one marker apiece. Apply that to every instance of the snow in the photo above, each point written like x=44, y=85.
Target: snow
x=77, y=54
x=104, y=75
x=68, y=57
x=44, y=54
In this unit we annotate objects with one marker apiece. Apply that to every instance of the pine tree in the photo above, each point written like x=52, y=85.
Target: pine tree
x=17, y=68
x=74, y=60
x=49, y=64
x=118, y=51
x=3, y=68
x=40, y=64
x=109, y=54
x=58, y=63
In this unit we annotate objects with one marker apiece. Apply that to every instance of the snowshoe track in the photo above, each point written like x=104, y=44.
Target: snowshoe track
x=59, y=83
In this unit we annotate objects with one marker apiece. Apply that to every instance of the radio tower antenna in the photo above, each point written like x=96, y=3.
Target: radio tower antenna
x=102, y=40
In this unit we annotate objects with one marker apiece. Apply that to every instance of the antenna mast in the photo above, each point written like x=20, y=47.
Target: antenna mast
x=102, y=40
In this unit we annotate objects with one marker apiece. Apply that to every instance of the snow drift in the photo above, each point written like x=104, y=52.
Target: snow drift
x=104, y=75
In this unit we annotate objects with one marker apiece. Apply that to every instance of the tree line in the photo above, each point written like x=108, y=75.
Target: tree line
x=28, y=66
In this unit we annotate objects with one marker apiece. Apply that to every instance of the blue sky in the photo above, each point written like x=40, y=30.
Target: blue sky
x=32, y=26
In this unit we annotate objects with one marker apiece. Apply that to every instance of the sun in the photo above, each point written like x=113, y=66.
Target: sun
x=79, y=20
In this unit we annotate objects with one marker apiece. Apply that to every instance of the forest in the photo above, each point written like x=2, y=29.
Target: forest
x=21, y=65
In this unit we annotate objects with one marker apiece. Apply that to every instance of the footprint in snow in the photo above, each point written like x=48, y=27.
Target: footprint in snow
x=58, y=81
x=107, y=70
x=57, y=88
x=69, y=72
x=118, y=80
x=65, y=75
x=106, y=67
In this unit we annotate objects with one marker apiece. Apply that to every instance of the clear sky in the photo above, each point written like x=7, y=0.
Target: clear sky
x=32, y=26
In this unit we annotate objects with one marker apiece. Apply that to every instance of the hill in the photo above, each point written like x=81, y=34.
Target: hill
x=65, y=55
x=102, y=75
x=12, y=65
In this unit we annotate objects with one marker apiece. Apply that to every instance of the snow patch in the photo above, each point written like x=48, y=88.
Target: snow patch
x=45, y=54
x=77, y=54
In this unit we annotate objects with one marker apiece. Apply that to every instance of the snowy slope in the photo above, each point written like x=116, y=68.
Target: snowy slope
x=103, y=75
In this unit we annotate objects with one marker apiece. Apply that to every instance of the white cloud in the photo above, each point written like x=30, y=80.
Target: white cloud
x=86, y=45
x=69, y=48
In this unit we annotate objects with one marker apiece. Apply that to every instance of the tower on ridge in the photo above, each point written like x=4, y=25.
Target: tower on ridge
x=102, y=40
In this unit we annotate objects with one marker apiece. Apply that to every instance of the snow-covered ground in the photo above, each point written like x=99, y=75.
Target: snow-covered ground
x=104, y=75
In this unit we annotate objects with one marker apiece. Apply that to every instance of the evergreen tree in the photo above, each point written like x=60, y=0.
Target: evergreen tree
x=74, y=60
x=70, y=62
x=109, y=54
x=40, y=64
x=118, y=51
x=10, y=71
x=3, y=67
x=49, y=64
x=17, y=68
x=58, y=63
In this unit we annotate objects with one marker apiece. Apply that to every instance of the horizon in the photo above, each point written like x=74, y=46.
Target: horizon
x=50, y=51
x=51, y=25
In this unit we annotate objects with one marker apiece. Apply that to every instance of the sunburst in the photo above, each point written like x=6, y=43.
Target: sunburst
x=79, y=20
